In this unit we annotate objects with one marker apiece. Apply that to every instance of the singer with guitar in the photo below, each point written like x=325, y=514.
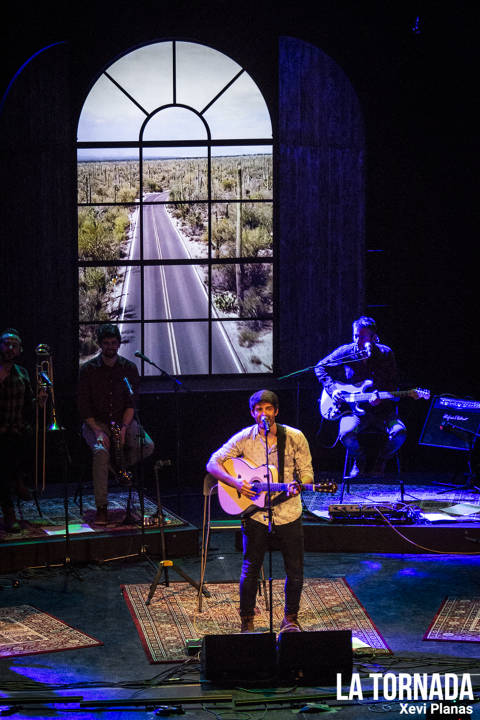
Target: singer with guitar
x=107, y=389
x=288, y=451
x=364, y=359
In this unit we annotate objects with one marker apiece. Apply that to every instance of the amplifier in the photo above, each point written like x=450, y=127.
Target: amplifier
x=451, y=423
x=370, y=513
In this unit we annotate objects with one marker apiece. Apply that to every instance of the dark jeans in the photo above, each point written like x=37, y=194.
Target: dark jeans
x=289, y=540
x=352, y=426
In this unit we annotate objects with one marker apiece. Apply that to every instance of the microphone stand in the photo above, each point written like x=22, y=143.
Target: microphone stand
x=129, y=519
x=270, y=528
x=297, y=398
x=164, y=564
x=141, y=484
x=358, y=355
x=177, y=385
x=59, y=431
x=472, y=438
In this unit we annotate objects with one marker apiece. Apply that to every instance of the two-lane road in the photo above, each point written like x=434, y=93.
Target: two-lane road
x=172, y=292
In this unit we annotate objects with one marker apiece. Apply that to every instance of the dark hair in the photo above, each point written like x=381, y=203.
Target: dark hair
x=263, y=396
x=11, y=331
x=108, y=330
x=366, y=322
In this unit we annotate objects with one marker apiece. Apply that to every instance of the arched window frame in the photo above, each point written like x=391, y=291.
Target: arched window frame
x=209, y=262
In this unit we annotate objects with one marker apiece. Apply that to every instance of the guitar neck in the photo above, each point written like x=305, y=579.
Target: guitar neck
x=279, y=487
x=365, y=397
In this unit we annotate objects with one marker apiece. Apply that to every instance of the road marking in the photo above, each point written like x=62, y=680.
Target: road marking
x=226, y=339
x=168, y=312
x=128, y=272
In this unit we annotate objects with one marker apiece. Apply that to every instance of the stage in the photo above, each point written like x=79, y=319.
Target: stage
x=112, y=672
x=398, y=594
x=42, y=539
x=434, y=517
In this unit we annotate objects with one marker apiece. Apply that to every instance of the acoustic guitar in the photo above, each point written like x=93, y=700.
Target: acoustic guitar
x=234, y=503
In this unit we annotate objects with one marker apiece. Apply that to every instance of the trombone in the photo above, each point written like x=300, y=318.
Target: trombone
x=44, y=379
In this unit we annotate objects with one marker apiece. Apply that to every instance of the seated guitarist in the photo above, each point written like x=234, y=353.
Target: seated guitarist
x=365, y=359
x=288, y=451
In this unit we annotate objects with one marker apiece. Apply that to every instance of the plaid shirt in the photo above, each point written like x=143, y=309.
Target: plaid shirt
x=16, y=401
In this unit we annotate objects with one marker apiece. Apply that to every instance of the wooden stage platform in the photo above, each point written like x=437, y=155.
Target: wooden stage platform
x=42, y=540
x=432, y=519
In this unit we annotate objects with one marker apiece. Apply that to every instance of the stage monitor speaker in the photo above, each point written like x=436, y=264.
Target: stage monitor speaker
x=451, y=423
x=315, y=658
x=248, y=659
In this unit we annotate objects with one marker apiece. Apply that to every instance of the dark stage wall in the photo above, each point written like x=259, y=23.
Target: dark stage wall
x=376, y=175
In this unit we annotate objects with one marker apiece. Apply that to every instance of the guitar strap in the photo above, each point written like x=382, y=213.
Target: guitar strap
x=281, y=442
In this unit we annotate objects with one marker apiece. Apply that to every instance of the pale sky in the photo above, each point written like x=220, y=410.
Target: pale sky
x=146, y=74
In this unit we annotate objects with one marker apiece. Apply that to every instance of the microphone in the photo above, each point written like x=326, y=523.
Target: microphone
x=127, y=383
x=143, y=357
x=45, y=378
x=264, y=423
x=368, y=349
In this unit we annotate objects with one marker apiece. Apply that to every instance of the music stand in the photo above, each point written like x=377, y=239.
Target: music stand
x=454, y=423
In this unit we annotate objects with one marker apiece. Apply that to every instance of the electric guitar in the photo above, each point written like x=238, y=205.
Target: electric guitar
x=234, y=503
x=352, y=395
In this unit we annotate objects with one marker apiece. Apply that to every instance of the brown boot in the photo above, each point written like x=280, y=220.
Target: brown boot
x=290, y=623
x=247, y=625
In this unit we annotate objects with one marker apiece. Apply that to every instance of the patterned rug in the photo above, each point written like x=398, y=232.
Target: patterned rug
x=421, y=490
x=457, y=620
x=52, y=519
x=24, y=630
x=172, y=617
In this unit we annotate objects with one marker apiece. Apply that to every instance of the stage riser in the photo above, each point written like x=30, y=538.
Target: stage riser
x=17, y=555
x=374, y=538
x=378, y=539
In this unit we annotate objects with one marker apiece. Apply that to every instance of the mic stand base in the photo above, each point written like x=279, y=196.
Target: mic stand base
x=467, y=486
x=471, y=476
x=67, y=568
x=70, y=570
x=129, y=519
x=163, y=566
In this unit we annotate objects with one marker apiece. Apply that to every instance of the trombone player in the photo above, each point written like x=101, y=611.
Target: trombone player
x=16, y=411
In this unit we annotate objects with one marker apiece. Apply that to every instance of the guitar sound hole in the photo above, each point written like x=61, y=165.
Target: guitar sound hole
x=255, y=482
